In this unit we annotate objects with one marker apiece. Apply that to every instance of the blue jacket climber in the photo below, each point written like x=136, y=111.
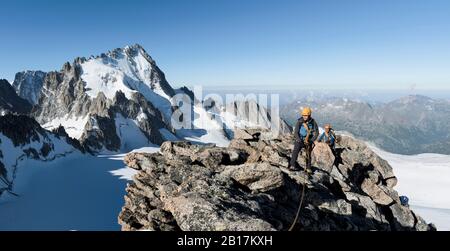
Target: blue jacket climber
x=306, y=129
x=305, y=133
x=328, y=136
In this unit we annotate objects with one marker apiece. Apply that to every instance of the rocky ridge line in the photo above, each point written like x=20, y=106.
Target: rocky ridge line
x=247, y=186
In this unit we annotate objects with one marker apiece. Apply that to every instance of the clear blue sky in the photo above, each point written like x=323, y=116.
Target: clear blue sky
x=327, y=44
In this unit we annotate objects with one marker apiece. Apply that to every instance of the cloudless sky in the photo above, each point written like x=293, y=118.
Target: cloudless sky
x=261, y=43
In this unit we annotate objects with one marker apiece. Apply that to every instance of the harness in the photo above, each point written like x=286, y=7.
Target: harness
x=308, y=133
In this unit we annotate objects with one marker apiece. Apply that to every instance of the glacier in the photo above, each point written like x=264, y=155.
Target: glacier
x=425, y=180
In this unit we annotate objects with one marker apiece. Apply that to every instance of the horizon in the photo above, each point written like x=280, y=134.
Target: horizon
x=257, y=44
x=224, y=115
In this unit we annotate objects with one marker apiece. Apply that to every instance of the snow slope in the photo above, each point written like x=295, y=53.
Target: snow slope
x=78, y=192
x=205, y=129
x=13, y=156
x=129, y=70
x=73, y=193
x=74, y=126
x=425, y=179
x=130, y=134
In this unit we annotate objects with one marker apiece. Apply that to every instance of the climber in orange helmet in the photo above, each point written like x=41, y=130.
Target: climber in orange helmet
x=305, y=133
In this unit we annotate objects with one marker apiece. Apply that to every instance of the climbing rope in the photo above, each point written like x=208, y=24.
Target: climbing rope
x=299, y=207
x=308, y=149
x=302, y=196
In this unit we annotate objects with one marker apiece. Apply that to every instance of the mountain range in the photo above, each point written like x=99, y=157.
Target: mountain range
x=74, y=124
x=115, y=102
x=410, y=125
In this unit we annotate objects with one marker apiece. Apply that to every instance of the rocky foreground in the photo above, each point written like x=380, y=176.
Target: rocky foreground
x=247, y=186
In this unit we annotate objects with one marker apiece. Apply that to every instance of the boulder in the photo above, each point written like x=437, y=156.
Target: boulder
x=259, y=177
x=247, y=186
x=323, y=157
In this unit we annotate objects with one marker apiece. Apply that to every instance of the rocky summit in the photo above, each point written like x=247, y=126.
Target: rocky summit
x=247, y=186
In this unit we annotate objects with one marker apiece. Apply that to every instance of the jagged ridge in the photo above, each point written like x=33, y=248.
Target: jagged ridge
x=247, y=187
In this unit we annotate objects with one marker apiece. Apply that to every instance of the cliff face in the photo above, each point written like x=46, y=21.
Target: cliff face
x=248, y=187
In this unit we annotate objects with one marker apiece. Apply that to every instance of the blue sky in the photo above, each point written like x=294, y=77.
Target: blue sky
x=294, y=44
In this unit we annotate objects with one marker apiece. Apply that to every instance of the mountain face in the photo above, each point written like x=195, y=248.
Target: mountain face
x=104, y=99
x=409, y=125
x=120, y=101
x=28, y=85
x=249, y=114
x=22, y=138
x=247, y=186
x=10, y=102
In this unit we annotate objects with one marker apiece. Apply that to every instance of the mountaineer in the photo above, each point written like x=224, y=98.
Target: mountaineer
x=328, y=137
x=305, y=133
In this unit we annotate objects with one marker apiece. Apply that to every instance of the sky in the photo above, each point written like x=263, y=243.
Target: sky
x=359, y=44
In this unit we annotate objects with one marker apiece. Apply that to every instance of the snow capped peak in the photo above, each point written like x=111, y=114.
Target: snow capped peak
x=129, y=51
x=28, y=84
x=134, y=46
x=137, y=49
x=129, y=69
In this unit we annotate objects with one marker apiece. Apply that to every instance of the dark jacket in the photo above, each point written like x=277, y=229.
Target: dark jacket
x=299, y=130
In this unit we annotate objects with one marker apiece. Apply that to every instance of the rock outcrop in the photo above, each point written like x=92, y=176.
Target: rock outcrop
x=247, y=186
x=28, y=85
x=251, y=114
x=10, y=102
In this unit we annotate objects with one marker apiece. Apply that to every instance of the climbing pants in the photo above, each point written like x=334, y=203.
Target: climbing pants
x=298, y=146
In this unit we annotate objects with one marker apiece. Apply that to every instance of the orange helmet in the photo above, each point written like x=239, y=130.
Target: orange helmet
x=306, y=111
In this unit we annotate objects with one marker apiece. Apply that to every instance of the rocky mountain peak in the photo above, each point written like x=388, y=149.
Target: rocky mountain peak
x=135, y=50
x=101, y=99
x=247, y=186
x=10, y=101
x=108, y=101
x=28, y=85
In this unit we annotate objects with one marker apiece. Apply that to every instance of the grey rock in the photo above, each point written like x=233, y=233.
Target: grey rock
x=323, y=157
x=28, y=85
x=404, y=217
x=197, y=188
x=10, y=102
x=259, y=177
x=250, y=110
